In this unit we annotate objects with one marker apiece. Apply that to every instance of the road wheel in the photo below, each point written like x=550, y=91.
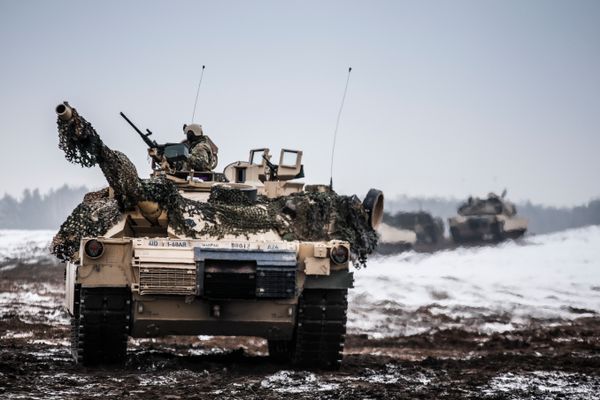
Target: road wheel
x=498, y=231
x=456, y=238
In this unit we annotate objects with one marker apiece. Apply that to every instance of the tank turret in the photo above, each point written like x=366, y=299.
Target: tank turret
x=493, y=218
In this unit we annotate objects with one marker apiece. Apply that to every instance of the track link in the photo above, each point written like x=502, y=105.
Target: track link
x=320, y=330
x=99, y=332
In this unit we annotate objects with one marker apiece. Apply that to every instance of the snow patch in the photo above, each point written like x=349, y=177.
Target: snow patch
x=393, y=374
x=16, y=335
x=296, y=382
x=25, y=245
x=545, y=384
x=487, y=289
x=34, y=303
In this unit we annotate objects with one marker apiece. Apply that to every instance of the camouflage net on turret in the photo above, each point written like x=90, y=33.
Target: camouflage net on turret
x=83, y=146
x=300, y=216
x=79, y=140
x=305, y=216
x=492, y=205
x=93, y=217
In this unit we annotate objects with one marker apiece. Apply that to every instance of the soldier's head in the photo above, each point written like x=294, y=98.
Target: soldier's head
x=193, y=132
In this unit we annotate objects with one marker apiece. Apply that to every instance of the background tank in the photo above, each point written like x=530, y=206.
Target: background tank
x=491, y=219
x=249, y=251
x=428, y=229
x=393, y=240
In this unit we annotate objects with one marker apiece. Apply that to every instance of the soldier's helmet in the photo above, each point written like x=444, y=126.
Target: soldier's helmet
x=193, y=132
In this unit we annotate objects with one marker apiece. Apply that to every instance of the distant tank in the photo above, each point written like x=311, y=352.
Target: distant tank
x=249, y=251
x=491, y=219
x=428, y=229
x=393, y=240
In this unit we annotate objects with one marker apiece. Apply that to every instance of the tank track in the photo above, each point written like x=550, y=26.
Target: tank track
x=100, y=328
x=320, y=330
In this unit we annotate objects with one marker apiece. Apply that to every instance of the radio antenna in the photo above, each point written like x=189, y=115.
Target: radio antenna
x=197, y=94
x=337, y=125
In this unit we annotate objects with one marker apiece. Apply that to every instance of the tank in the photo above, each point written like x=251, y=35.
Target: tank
x=428, y=229
x=490, y=219
x=249, y=251
x=393, y=240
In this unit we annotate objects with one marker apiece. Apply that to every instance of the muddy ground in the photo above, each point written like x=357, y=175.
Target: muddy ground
x=546, y=360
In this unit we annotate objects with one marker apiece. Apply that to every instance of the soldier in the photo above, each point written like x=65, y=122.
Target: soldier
x=203, y=152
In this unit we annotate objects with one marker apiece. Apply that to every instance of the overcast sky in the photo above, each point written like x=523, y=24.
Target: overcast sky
x=445, y=98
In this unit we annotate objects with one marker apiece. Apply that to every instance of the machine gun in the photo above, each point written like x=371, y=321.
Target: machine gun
x=164, y=156
x=151, y=143
x=272, y=168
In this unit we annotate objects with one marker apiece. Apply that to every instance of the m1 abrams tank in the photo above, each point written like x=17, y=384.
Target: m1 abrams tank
x=250, y=251
x=429, y=229
x=490, y=219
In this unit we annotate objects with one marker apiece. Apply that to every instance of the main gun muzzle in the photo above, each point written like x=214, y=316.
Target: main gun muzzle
x=64, y=111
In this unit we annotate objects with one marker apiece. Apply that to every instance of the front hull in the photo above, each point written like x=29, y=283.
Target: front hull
x=174, y=315
x=486, y=228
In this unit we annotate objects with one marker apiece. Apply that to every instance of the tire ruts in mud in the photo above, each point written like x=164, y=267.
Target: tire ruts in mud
x=320, y=331
x=100, y=330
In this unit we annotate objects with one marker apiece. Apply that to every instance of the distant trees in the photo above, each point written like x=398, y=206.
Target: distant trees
x=36, y=211
x=549, y=219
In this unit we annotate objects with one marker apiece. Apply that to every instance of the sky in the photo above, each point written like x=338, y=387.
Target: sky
x=445, y=98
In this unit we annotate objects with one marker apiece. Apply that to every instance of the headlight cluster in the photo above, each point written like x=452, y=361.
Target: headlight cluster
x=94, y=248
x=339, y=254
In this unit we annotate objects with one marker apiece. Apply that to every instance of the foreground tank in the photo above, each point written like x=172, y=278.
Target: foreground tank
x=250, y=251
x=490, y=219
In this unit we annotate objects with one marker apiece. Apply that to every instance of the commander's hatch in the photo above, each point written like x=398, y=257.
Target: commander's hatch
x=270, y=179
x=289, y=167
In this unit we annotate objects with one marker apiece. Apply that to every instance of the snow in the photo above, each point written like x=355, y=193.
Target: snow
x=25, y=245
x=487, y=289
x=34, y=303
x=296, y=382
x=16, y=335
x=544, y=384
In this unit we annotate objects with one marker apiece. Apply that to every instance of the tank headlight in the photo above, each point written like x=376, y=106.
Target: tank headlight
x=94, y=248
x=339, y=254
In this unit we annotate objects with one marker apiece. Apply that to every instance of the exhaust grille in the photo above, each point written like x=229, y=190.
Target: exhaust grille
x=168, y=280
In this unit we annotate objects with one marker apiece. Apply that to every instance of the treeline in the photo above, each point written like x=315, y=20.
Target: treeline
x=36, y=211
x=48, y=211
x=542, y=219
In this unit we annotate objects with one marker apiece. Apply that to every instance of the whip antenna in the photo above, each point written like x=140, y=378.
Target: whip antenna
x=197, y=93
x=337, y=125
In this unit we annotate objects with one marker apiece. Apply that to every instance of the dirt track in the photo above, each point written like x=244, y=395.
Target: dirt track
x=558, y=360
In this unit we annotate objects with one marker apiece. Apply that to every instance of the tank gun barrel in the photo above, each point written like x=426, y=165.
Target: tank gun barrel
x=82, y=145
x=64, y=111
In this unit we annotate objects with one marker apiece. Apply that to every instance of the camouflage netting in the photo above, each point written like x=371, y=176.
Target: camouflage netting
x=492, y=205
x=82, y=145
x=93, y=217
x=307, y=216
